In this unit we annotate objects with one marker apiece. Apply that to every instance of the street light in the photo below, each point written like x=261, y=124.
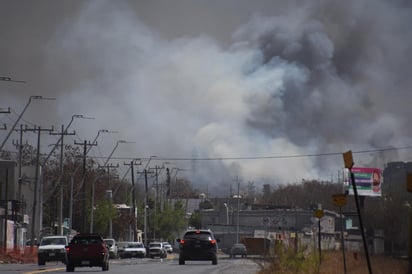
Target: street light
x=74, y=173
x=227, y=213
x=21, y=115
x=94, y=181
x=238, y=197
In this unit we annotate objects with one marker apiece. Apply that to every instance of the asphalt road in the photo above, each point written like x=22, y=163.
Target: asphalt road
x=144, y=266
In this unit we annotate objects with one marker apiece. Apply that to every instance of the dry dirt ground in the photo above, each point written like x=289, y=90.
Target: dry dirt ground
x=333, y=263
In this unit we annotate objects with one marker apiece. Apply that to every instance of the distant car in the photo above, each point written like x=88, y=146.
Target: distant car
x=87, y=250
x=156, y=249
x=168, y=247
x=112, y=246
x=238, y=249
x=52, y=248
x=198, y=245
x=131, y=250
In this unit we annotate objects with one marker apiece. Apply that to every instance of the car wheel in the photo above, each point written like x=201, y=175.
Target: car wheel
x=214, y=260
x=69, y=268
x=41, y=262
x=105, y=266
x=181, y=261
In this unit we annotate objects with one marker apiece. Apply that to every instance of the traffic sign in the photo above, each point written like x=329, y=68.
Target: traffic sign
x=319, y=213
x=339, y=200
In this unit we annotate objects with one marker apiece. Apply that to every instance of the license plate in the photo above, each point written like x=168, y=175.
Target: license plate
x=51, y=254
x=85, y=262
x=197, y=246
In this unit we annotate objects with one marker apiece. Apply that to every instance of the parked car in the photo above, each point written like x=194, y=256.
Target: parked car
x=112, y=246
x=198, y=245
x=52, y=248
x=168, y=247
x=156, y=249
x=238, y=249
x=87, y=250
x=131, y=250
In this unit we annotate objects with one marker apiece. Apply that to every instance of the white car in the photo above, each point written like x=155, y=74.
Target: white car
x=168, y=247
x=131, y=249
x=52, y=248
x=112, y=246
x=156, y=249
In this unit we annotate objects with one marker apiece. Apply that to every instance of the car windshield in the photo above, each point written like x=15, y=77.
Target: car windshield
x=155, y=245
x=109, y=242
x=53, y=241
x=135, y=245
x=204, y=236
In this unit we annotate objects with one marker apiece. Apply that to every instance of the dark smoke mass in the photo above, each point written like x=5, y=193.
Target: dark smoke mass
x=191, y=81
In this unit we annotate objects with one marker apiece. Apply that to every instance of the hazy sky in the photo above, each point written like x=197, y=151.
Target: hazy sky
x=216, y=79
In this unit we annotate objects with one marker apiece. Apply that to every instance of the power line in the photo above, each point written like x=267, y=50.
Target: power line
x=159, y=158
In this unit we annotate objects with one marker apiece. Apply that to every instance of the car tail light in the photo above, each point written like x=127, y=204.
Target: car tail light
x=67, y=249
x=213, y=242
x=182, y=242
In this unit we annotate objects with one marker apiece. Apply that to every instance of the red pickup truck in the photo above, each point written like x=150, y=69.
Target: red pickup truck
x=87, y=250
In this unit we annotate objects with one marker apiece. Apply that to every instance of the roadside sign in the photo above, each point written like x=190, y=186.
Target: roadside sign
x=319, y=213
x=348, y=159
x=339, y=200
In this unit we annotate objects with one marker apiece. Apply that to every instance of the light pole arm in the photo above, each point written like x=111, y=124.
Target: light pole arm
x=18, y=119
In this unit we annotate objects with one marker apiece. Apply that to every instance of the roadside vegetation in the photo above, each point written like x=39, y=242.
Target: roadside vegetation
x=288, y=261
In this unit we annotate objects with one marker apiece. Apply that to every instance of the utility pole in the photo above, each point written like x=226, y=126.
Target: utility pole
x=132, y=163
x=84, y=144
x=62, y=134
x=19, y=145
x=36, y=182
x=110, y=197
x=145, y=172
x=238, y=209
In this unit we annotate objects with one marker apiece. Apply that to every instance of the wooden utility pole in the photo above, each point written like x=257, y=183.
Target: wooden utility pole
x=132, y=164
x=36, y=182
x=85, y=144
x=62, y=134
x=145, y=206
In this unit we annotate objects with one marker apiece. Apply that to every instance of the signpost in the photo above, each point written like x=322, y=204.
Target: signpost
x=348, y=159
x=319, y=214
x=339, y=200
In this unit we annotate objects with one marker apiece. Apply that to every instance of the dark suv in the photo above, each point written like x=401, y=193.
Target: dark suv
x=198, y=245
x=87, y=250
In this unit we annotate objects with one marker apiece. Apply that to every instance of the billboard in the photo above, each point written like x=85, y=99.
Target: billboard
x=368, y=181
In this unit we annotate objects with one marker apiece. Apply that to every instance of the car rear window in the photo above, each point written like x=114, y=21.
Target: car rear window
x=86, y=240
x=204, y=236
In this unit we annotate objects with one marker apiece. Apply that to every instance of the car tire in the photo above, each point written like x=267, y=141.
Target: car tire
x=214, y=260
x=181, y=261
x=105, y=266
x=41, y=262
x=69, y=267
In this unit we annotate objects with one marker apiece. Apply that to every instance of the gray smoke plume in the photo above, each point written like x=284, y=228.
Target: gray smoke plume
x=268, y=79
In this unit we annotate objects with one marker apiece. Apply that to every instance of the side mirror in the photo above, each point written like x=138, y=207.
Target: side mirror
x=178, y=240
